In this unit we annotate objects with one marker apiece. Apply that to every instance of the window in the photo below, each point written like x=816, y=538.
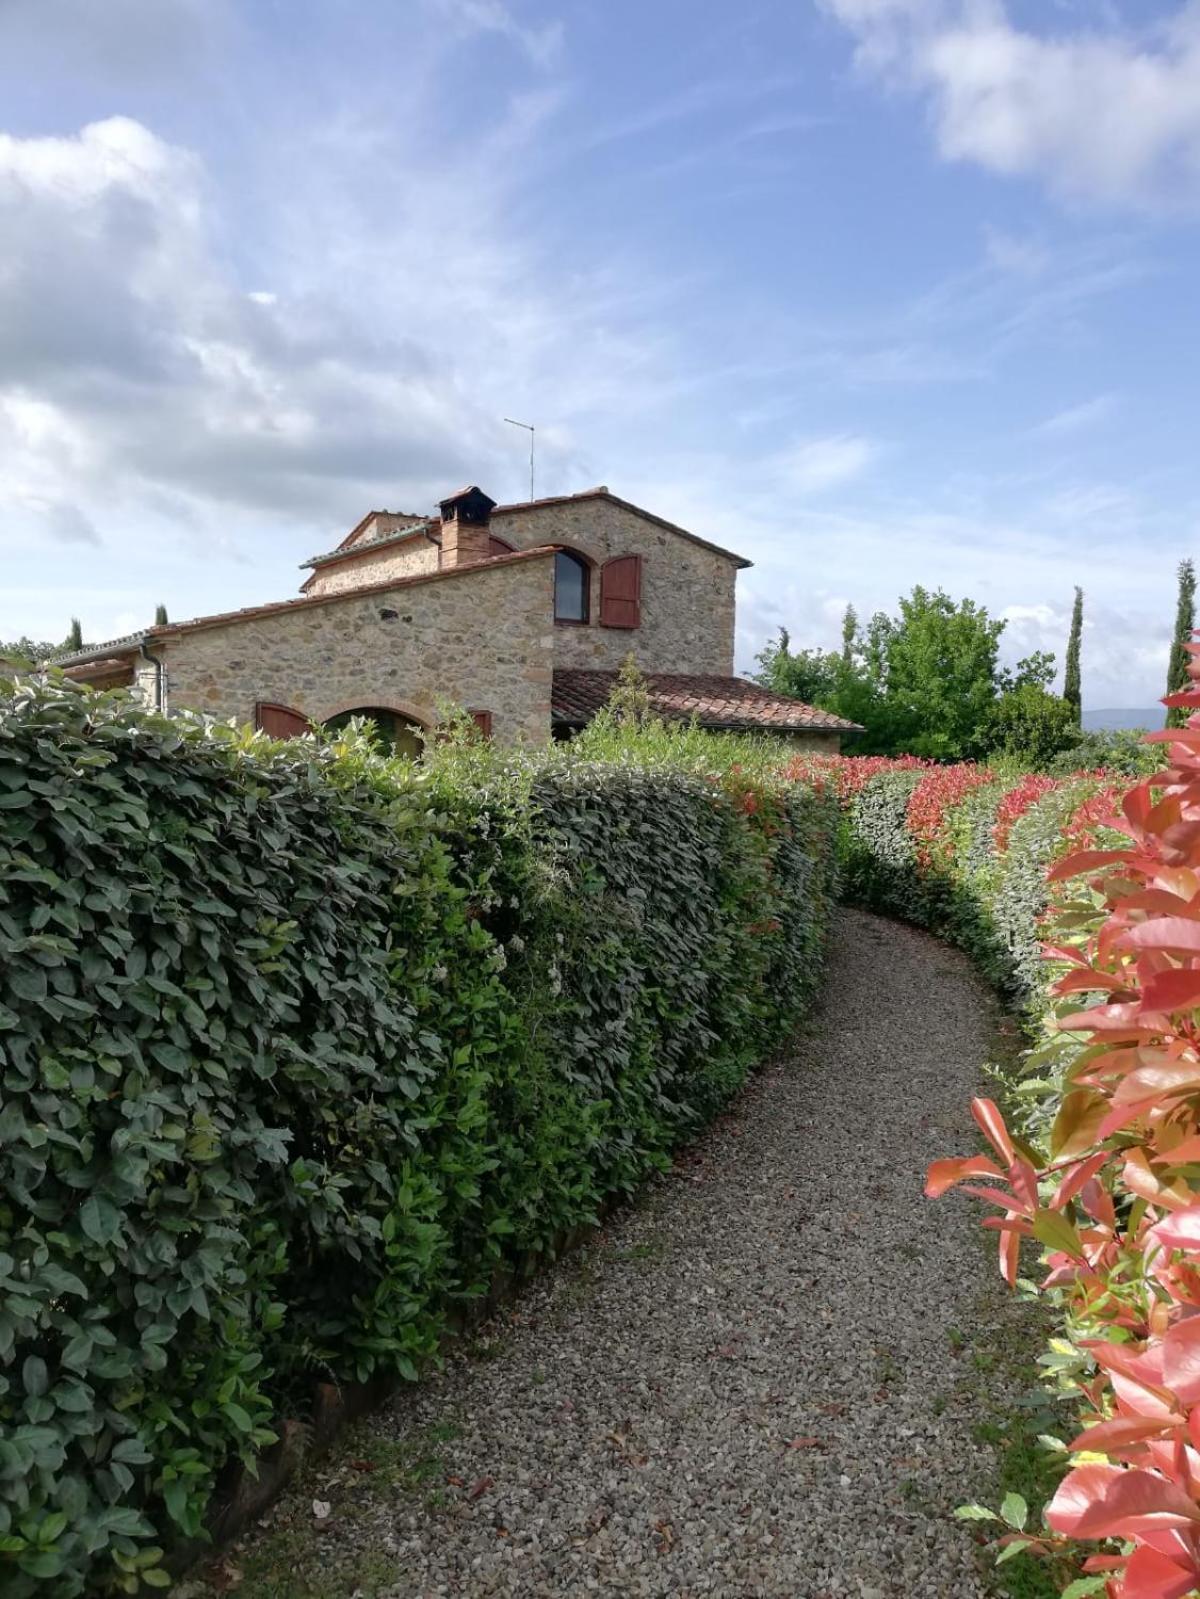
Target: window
x=572, y=579
x=399, y=735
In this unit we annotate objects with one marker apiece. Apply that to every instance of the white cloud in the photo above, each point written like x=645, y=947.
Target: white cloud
x=1105, y=113
x=814, y=465
x=1078, y=418
x=542, y=45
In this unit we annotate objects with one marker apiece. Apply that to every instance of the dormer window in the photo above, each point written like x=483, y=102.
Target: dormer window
x=572, y=581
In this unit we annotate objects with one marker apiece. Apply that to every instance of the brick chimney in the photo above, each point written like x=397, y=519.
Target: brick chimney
x=465, y=527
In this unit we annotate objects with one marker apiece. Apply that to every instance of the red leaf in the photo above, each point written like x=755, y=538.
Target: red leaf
x=1151, y=1575
x=991, y=1124
x=1106, y=1436
x=1179, y=934
x=1181, y=1360
x=1086, y=860
x=1178, y=989
x=943, y=1174
x=1096, y=1501
x=1010, y=1256
x=478, y=1489
x=1179, y=1231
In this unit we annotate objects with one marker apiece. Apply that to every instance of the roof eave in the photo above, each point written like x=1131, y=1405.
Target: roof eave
x=739, y=561
x=115, y=650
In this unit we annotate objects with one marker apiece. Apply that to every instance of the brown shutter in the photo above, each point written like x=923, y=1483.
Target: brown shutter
x=483, y=721
x=279, y=721
x=621, y=592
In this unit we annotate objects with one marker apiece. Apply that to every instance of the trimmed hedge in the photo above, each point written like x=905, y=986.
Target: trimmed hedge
x=980, y=878
x=299, y=1046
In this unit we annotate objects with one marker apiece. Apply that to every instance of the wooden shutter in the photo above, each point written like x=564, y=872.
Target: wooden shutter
x=279, y=721
x=621, y=592
x=483, y=721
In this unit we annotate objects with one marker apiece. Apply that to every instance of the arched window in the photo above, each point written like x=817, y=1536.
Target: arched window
x=399, y=735
x=572, y=585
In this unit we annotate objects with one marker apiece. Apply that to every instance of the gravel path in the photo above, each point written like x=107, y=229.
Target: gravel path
x=753, y=1383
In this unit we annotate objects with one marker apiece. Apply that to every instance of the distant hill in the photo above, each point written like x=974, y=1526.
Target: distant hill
x=1102, y=721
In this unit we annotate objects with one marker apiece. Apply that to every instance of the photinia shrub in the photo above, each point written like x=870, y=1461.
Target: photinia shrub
x=940, y=791
x=1016, y=801
x=1113, y=1193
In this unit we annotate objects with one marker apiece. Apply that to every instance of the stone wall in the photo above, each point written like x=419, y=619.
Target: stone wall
x=408, y=558
x=482, y=639
x=687, y=591
x=813, y=741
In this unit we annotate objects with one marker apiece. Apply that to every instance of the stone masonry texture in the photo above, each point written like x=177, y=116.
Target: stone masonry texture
x=687, y=591
x=484, y=642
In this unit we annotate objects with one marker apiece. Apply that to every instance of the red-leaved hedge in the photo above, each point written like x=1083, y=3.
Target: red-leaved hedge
x=1113, y=1194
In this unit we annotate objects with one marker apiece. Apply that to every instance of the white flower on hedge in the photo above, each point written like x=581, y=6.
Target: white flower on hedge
x=440, y=973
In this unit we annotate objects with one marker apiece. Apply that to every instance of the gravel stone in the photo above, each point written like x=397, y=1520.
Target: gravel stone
x=746, y=1385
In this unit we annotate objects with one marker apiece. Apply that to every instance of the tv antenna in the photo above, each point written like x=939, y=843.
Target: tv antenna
x=532, y=431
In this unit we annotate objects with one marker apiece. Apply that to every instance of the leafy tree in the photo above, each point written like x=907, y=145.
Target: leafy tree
x=1185, y=622
x=1113, y=749
x=941, y=673
x=1030, y=724
x=923, y=682
x=160, y=616
x=1036, y=669
x=808, y=675
x=26, y=652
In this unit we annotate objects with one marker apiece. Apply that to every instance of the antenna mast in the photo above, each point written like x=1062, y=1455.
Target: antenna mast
x=531, y=430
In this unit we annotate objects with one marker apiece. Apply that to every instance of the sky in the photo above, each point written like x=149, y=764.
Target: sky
x=874, y=292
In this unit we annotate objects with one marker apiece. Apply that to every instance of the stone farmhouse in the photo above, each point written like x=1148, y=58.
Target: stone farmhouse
x=522, y=614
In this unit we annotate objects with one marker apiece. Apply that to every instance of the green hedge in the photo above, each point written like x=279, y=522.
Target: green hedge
x=299, y=1047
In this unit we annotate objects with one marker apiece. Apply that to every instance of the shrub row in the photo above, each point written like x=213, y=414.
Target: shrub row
x=299, y=1047
x=1083, y=896
x=962, y=850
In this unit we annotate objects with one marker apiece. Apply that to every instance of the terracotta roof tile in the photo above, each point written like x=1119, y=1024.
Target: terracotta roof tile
x=729, y=702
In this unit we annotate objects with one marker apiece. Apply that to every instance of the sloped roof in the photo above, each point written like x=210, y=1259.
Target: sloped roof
x=352, y=546
x=129, y=644
x=603, y=493
x=718, y=702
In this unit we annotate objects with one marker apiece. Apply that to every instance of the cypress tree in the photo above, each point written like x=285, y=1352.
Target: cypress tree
x=160, y=616
x=849, y=634
x=1072, y=692
x=1185, y=622
x=75, y=636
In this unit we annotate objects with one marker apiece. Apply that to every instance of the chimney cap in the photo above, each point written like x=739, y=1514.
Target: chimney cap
x=467, y=505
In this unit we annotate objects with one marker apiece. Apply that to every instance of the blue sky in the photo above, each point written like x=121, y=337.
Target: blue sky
x=876, y=292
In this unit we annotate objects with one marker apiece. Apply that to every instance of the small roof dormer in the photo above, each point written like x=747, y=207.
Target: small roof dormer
x=470, y=506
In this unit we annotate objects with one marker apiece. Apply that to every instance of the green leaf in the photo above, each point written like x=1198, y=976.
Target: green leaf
x=1012, y=1550
x=35, y=1377
x=1014, y=1511
x=238, y=1416
x=1053, y=1229
x=1083, y=1588
x=100, y=1219
x=975, y=1513
x=51, y=1529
